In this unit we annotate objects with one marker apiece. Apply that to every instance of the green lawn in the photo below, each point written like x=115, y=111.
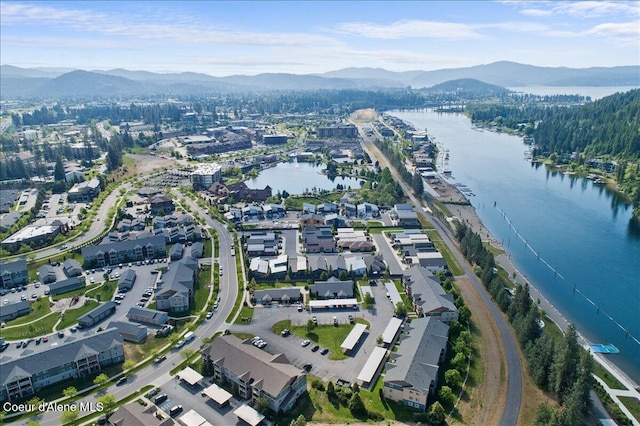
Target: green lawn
x=103, y=292
x=327, y=336
x=454, y=267
x=202, y=289
x=633, y=404
x=245, y=312
x=71, y=315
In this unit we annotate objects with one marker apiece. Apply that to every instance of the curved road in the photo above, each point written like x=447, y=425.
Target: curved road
x=514, y=368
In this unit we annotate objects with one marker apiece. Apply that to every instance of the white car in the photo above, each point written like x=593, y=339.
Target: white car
x=305, y=343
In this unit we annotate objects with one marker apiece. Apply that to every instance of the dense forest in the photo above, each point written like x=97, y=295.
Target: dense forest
x=608, y=126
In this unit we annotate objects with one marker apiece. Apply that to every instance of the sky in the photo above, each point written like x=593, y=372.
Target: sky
x=224, y=38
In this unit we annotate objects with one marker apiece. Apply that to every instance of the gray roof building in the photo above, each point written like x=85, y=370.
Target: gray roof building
x=197, y=250
x=415, y=365
x=72, y=268
x=64, y=286
x=14, y=310
x=98, y=314
x=127, y=279
x=176, y=251
x=113, y=253
x=427, y=295
x=129, y=331
x=13, y=273
x=47, y=274
x=25, y=374
x=177, y=292
x=282, y=295
x=261, y=373
x=333, y=288
x=147, y=316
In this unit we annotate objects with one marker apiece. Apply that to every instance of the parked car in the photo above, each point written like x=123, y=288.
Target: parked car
x=305, y=343
x=315, y=320
x=351, y=320
x=324, y=351
x=175, y=410
x=160, y=398
x=209, y=315
x=315, y=348
x=285, y=332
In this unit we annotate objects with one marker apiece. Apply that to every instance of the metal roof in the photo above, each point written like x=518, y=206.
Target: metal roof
x=392, y=329
x=370, y=368
x=354, y=337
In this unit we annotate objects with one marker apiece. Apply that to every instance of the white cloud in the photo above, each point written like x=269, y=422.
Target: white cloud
x=626, y=30
x=580, y=9
x=536, y=12
x=411, y=29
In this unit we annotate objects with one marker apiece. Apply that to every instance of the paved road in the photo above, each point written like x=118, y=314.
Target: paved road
x=514, y=368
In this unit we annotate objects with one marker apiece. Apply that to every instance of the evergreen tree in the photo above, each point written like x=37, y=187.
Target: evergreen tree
x=58, y=171
x=564, y=372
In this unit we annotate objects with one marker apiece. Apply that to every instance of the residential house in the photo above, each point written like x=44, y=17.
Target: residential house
x=334, y=220
x=98, y=314
x=412, y=375
x=332, y=288
x=23, y=376
x=311, y=219
x=259, y=267
x=72, y=268
x=403, y=215
x=335, y=264
x=316, y=265
x=14, y=273
x=197, y=250
x=177, y=286
x=318, y=239
x=255, y=373
x=273, y=211
x=375, y=265
x=327, y=207
x=252, y=213
x=113, y=253
x=127, y=280
x=147, y=316
x=129, y=331
x=427, y=295
x=47, y=274
x=262, y=244
x=64, y=286
x=285, y=296
x=176, y=251
x=135, y=414
x=240, y=191
x=355, y=265
x=161, y=204
x=350, y=210
x=14, y=310
x=367, y=211
x=308, y=208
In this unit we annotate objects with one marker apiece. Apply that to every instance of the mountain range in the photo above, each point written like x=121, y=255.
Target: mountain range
x=16, y=82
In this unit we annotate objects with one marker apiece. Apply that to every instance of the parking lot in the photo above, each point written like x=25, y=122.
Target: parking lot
x=322, y=366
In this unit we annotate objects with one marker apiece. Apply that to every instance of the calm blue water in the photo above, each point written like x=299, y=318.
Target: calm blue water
x=583, y=231
x=297, y=178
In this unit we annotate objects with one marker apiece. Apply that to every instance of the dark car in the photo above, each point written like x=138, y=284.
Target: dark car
x=175, y=410
x=121, y=381
x=324, y=351
x=285, y=332
x=307, y=367
x=315, y=348
x=160, y=398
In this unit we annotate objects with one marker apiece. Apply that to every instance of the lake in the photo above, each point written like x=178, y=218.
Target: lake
x=581, y=230
x=296, y=178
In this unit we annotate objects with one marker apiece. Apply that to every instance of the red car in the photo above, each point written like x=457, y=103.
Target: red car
x=45, y=339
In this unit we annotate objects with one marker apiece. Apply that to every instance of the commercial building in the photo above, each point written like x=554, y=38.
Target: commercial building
x=204, y=175
x=24, y=375
x=412, y=373
x=84, y=192
x=256, y=373
x=337, y=130
x=274, y=139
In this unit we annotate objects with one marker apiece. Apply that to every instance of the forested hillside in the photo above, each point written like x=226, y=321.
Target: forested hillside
x=608, y=126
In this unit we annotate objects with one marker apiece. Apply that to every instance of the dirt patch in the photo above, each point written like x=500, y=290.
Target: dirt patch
x=487, y=396
x=65, y=303
x=147, y=163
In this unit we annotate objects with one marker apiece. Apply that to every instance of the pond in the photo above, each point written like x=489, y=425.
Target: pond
x=296, y=178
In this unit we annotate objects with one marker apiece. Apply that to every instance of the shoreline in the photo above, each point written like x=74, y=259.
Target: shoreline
x=468, y=215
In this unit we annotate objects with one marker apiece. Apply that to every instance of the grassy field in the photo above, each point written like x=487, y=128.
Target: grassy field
x=102, y=292
x=632, y=404
x=245, y=312
x=202, y=290
x=77, y=292
x=71, y=315
x=454, y=267
x=327, y=336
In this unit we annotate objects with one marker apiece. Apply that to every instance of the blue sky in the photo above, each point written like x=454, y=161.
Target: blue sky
x=224, y=38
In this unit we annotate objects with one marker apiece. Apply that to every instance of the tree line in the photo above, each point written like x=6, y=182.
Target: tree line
x=561, y=367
